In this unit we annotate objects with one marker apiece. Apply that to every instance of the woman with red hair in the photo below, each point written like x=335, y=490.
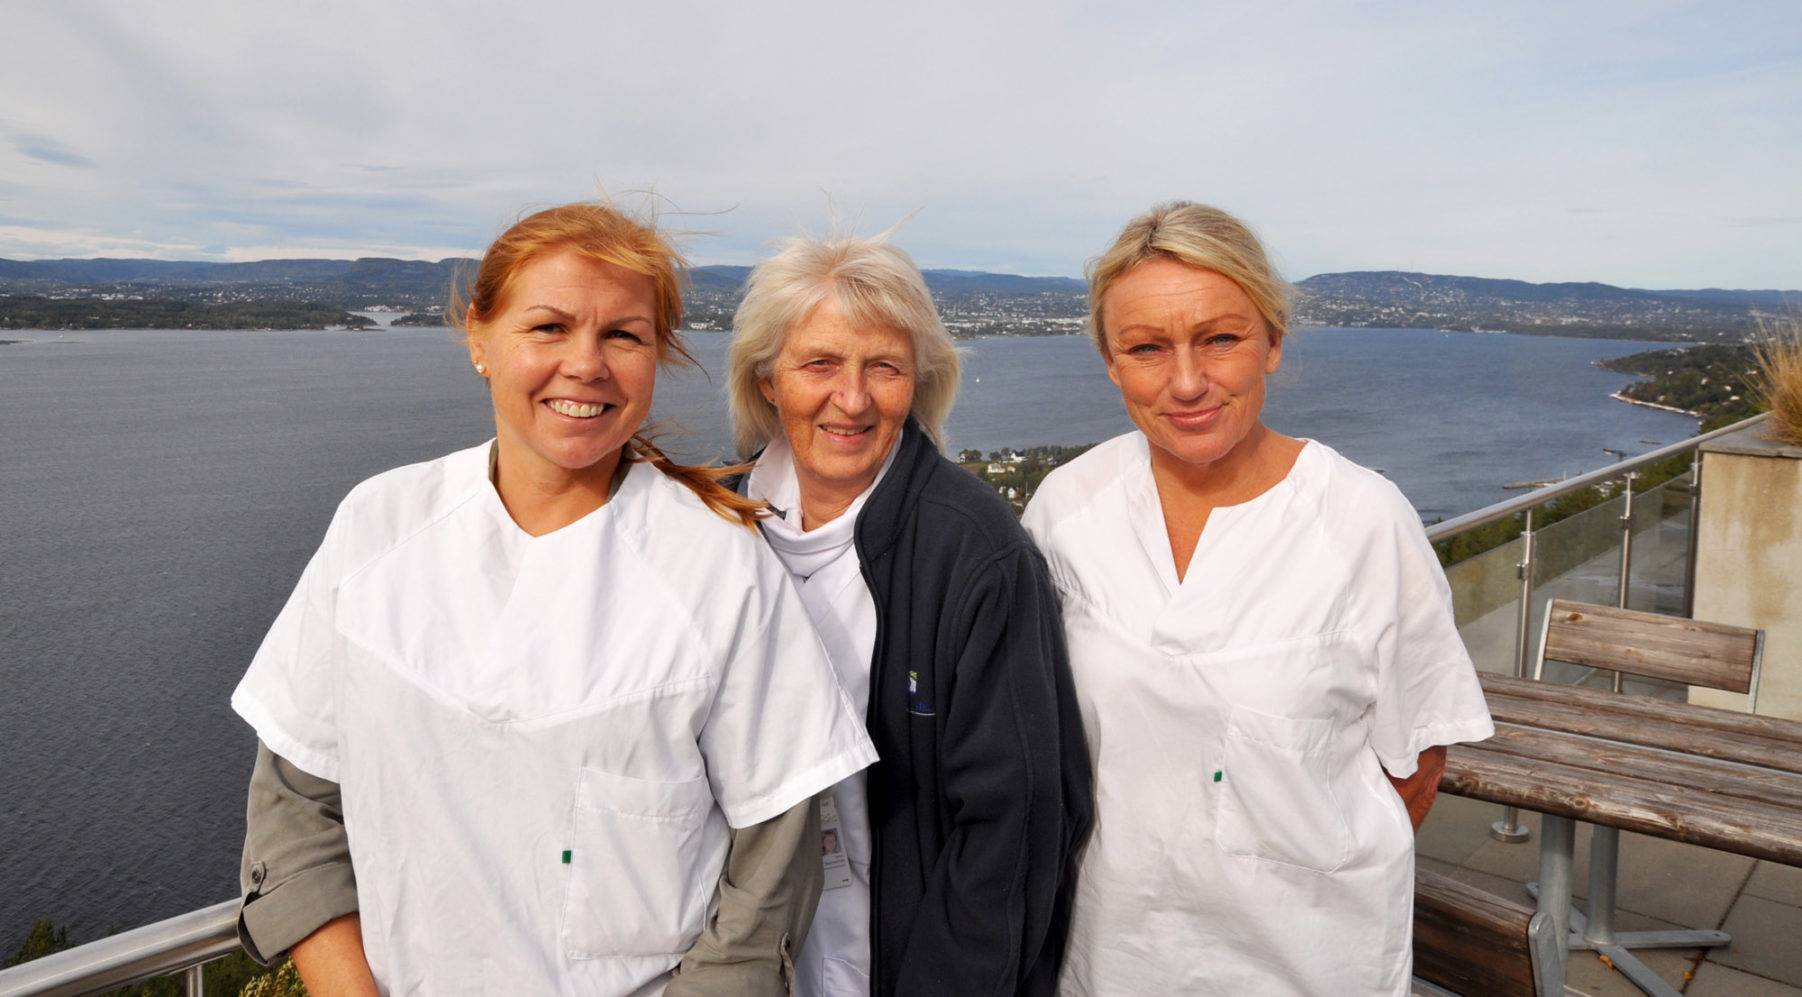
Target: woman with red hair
x=551, y=700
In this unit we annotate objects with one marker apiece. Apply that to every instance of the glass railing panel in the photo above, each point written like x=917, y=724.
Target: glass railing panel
x=1658, y=580
x=1485, y=599
x=1660, y=569
x=1576, y=558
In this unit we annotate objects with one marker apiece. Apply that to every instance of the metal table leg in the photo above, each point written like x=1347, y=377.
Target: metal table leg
x=1598, y=932
x=1557, y=843
x=1595, y=932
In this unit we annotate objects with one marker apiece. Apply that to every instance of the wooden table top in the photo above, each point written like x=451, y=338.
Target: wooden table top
x=1690, y=773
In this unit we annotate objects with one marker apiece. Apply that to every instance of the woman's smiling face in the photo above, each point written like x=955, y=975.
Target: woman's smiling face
x=1189, y=351
x=571, y=361
x=843, y=393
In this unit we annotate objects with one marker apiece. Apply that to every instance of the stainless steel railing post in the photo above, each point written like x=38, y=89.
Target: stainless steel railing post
x=1626, y=553
x=196, y=979
x=1509, y=828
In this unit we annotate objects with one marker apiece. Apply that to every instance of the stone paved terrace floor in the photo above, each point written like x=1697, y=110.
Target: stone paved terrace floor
x=1663, y=884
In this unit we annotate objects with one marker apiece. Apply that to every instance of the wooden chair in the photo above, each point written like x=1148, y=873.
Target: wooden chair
x=1470, y=943
x=1626, y=642
x=1713, y=655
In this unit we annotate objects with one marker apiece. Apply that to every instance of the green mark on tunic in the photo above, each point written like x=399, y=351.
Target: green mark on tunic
x=1216, y=779
x=566, y=851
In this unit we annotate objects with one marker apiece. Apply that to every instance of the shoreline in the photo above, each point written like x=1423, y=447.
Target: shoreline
x=1617, y=396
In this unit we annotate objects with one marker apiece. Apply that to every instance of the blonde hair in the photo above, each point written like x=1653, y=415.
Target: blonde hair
x=1200, y=236
x=603, y=232
x=873, y=283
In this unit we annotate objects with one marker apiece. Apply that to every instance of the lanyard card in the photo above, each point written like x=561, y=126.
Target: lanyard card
x=833, y=860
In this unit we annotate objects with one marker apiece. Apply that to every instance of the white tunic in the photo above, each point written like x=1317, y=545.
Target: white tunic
x=1246, y=839
x=542, y=740
x=824, y=565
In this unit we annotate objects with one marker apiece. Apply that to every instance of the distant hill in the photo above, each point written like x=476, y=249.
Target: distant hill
x=103, y=271
x=1434, y=301
x=978, y=282
x=380, y=281
x=727, y=279
x=29, y=312
x=973, y=303
x=732, y=278
x=1774, y=301
x=348, y=284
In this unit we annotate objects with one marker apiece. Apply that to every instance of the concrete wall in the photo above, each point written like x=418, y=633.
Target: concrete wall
x=1749, y=560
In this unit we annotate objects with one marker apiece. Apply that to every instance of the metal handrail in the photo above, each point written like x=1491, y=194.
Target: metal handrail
x=1509, y=507
x=183, y=942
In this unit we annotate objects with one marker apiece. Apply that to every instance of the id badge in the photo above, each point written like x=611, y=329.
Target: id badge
x=833, y=860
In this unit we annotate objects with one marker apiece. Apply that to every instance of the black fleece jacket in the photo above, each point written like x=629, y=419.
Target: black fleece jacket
x=982, y=796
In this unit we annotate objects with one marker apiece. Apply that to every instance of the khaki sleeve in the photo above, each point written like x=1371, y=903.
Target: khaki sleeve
x=768, y=894
x=295, y=873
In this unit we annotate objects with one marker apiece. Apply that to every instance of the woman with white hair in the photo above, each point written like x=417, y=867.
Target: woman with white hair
x=939, y=616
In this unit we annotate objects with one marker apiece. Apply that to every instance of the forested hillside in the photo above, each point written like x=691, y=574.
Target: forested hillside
x=96, y=313
x=1715, y=382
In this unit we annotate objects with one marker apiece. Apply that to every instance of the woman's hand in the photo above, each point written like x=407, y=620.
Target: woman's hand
x=331, y=961
x=1418, y=790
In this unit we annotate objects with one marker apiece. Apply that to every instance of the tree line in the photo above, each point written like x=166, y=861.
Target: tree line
x=27, y=312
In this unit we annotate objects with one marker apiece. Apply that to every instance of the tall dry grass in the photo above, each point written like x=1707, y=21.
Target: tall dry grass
x=1779, y=379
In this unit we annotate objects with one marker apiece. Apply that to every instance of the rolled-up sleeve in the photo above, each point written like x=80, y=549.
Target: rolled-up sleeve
x=768, y=895
x=296, y=873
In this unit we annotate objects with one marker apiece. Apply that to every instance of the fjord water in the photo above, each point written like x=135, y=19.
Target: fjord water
x=161, y=492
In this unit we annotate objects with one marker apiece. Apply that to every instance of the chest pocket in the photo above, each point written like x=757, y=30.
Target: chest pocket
x=634, y=882
x=1276, y=799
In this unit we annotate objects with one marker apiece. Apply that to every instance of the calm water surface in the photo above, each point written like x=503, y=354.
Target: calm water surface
x=162, y=490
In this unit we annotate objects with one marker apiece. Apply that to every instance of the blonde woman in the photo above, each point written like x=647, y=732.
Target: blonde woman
x=1263, y=646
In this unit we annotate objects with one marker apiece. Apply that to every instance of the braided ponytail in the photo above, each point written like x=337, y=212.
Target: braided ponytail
x=705, y=482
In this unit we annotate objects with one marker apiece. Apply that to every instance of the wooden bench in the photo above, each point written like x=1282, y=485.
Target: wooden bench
x=1470, y=943
x=1694, y=652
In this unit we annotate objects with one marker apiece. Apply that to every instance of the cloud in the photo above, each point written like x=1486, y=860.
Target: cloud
x=28, y=242
x=249, y=254
x=48, y=150
x=32, y=242
x=1449, y=138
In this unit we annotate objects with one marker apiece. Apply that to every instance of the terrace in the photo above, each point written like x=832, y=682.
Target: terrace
x=1686, y=547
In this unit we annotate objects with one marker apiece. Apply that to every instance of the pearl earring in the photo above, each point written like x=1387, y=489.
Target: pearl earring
x=481, y=369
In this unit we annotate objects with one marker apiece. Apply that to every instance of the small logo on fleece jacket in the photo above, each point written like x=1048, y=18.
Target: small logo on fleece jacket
x=915, y=705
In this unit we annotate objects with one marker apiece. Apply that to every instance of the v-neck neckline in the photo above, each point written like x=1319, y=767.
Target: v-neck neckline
x=1146, y=512
x=497, y=507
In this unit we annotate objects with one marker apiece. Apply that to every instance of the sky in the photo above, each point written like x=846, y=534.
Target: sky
x=1645, y=144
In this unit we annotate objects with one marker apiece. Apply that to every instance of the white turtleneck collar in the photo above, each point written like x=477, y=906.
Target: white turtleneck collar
x=803, y=552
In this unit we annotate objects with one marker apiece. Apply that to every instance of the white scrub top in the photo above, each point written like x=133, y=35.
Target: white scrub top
x=543, y=740
x=1246, y=840
x=824, y=565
